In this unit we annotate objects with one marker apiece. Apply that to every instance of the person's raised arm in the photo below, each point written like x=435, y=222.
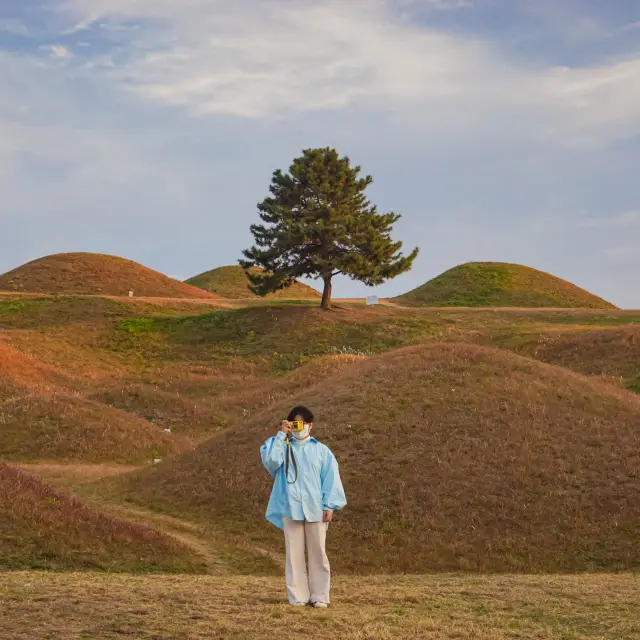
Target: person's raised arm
x=273, y=450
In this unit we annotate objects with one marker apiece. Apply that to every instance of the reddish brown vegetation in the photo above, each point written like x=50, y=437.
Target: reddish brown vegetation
x=41, y=528
x=203, y=400
x=54, y=426
x=95, y=274
x=21, y=371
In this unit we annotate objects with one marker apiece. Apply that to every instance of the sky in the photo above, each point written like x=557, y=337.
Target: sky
x=501, y=130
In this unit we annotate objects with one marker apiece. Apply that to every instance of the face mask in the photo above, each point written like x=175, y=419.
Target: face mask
x=301, y=435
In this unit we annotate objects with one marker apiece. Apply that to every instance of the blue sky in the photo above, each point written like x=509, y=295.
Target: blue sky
x=504, y=130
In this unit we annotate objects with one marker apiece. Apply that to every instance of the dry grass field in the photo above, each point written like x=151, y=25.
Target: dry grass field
x=86, y=606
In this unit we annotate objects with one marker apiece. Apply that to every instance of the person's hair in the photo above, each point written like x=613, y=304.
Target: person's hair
x=303, y=412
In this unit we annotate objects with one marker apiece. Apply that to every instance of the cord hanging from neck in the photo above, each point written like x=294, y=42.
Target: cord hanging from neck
x=290, y=461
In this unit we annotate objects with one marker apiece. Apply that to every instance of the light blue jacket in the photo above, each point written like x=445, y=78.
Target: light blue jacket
x=318, y=487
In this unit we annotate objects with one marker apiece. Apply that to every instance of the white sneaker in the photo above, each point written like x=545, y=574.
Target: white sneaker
x=320, y=605
x=299, y=604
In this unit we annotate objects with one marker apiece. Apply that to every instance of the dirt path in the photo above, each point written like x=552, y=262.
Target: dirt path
x=215, y=549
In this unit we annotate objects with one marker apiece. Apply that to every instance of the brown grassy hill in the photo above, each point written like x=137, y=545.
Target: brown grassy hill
x=200, y=404
x=231, y=282
x=612, y=352
x=41, y=528
x=59, y=426
x=454, y=457
x=94, y=274
x=498, y=284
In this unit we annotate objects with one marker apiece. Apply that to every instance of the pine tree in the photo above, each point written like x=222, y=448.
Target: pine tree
x=318, y=223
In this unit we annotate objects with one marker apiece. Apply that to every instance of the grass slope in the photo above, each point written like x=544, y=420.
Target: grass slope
x=231, y=282
x=21, y=372
x=612, y=352
x=200, y=402
x=94, y=274
x=41, y=606
x=44, y=416
x=59, y=426
x=454, y=457
x=287, y=336
x=41, y=528
x=496, y=284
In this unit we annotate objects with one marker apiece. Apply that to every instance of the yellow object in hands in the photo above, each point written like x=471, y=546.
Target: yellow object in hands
x=296, y=425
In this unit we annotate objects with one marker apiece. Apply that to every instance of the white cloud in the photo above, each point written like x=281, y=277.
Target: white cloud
x=273, y=59
x=58, y=50
x=411, y=6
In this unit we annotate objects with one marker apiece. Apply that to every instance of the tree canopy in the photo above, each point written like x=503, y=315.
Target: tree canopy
x=318, y=223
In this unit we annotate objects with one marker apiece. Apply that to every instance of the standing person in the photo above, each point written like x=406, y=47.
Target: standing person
x=306, y=492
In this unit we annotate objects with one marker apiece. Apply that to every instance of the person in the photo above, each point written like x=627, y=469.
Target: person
x=306, y=492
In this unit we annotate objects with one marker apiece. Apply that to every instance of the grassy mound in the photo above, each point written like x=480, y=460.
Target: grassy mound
x=94, y=274
x=200, y=405
x=496, y=284
x=286, y=336
x=59, y=426
x=41, y=528
x=612, y=352
x=231, y=282
x=454, y=457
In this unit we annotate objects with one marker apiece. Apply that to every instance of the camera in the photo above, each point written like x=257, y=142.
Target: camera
x=296, y=425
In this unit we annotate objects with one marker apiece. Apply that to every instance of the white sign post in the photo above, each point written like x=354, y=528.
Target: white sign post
x=371, y=300
x=131, y=294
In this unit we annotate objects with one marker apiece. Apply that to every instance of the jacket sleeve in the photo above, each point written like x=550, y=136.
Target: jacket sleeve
x=272, y=453
x=333, y=497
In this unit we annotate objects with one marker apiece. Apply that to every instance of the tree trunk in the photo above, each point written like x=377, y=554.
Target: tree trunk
x=326, y=294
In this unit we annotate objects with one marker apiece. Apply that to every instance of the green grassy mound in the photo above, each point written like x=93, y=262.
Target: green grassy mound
x=454, y=457
x=495, y=284
x=231, y=282
x=94, y=274
x=41, y=528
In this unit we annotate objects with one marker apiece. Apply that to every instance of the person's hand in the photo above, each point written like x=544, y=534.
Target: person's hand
x=285, y=428
x=328, y=516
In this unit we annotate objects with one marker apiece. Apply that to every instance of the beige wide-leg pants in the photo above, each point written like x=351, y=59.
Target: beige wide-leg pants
x=316, y=587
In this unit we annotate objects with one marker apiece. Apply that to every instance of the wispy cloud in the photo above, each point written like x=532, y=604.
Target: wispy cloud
x=14, y=27
x=625, y=220
x=631, y=26
x=58, y=50
x=275, y=59
x=622, y=254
